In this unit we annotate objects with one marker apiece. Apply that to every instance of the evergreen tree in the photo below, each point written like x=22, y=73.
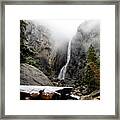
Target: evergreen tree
x=92, y=70
x=91, y=55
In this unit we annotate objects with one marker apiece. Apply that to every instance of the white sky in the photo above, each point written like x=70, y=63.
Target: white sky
x=62, y=30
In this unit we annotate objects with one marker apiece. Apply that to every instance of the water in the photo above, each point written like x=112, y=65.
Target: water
x=61, y=75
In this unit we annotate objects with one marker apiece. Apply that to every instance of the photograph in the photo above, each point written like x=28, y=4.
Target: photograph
x=60, y=59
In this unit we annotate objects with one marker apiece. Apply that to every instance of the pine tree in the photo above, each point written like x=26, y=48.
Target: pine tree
x=92, y=70
x=91, y=57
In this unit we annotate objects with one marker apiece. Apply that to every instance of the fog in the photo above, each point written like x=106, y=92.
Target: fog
x=88, y=25
x=61, y=30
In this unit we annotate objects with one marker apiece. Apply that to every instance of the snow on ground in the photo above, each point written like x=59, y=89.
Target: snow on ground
x=75, y=96
x=36, y=89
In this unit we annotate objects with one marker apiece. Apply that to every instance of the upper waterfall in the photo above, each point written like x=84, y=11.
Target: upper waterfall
x=61, y=75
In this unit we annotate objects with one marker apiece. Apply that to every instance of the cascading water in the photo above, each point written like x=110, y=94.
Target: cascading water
x=61, y=75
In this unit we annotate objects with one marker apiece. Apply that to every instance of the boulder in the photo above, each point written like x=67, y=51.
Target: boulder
x=30, y=75
x=95, y=95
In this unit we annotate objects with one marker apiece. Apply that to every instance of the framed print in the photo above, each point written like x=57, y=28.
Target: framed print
x=59, y=59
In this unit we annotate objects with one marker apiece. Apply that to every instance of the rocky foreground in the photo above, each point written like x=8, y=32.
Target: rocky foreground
x=46, y=93
x=35, y=85
x=54, y=93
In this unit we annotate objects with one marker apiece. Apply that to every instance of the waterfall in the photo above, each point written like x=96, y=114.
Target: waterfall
x=61, y=75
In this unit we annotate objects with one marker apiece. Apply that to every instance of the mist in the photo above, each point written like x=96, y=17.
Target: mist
x=62, y=31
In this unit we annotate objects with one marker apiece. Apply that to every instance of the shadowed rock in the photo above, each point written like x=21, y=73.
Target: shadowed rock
x=29, y=75
x=46, y=93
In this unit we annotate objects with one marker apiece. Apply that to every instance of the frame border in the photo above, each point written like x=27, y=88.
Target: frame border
x=62, y=2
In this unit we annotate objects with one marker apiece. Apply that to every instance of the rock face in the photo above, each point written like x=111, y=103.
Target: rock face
x=38, y=39
x=35, y=45
x=88, y=33
x=58, y=59
x=29, y=75
x=37, y=48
